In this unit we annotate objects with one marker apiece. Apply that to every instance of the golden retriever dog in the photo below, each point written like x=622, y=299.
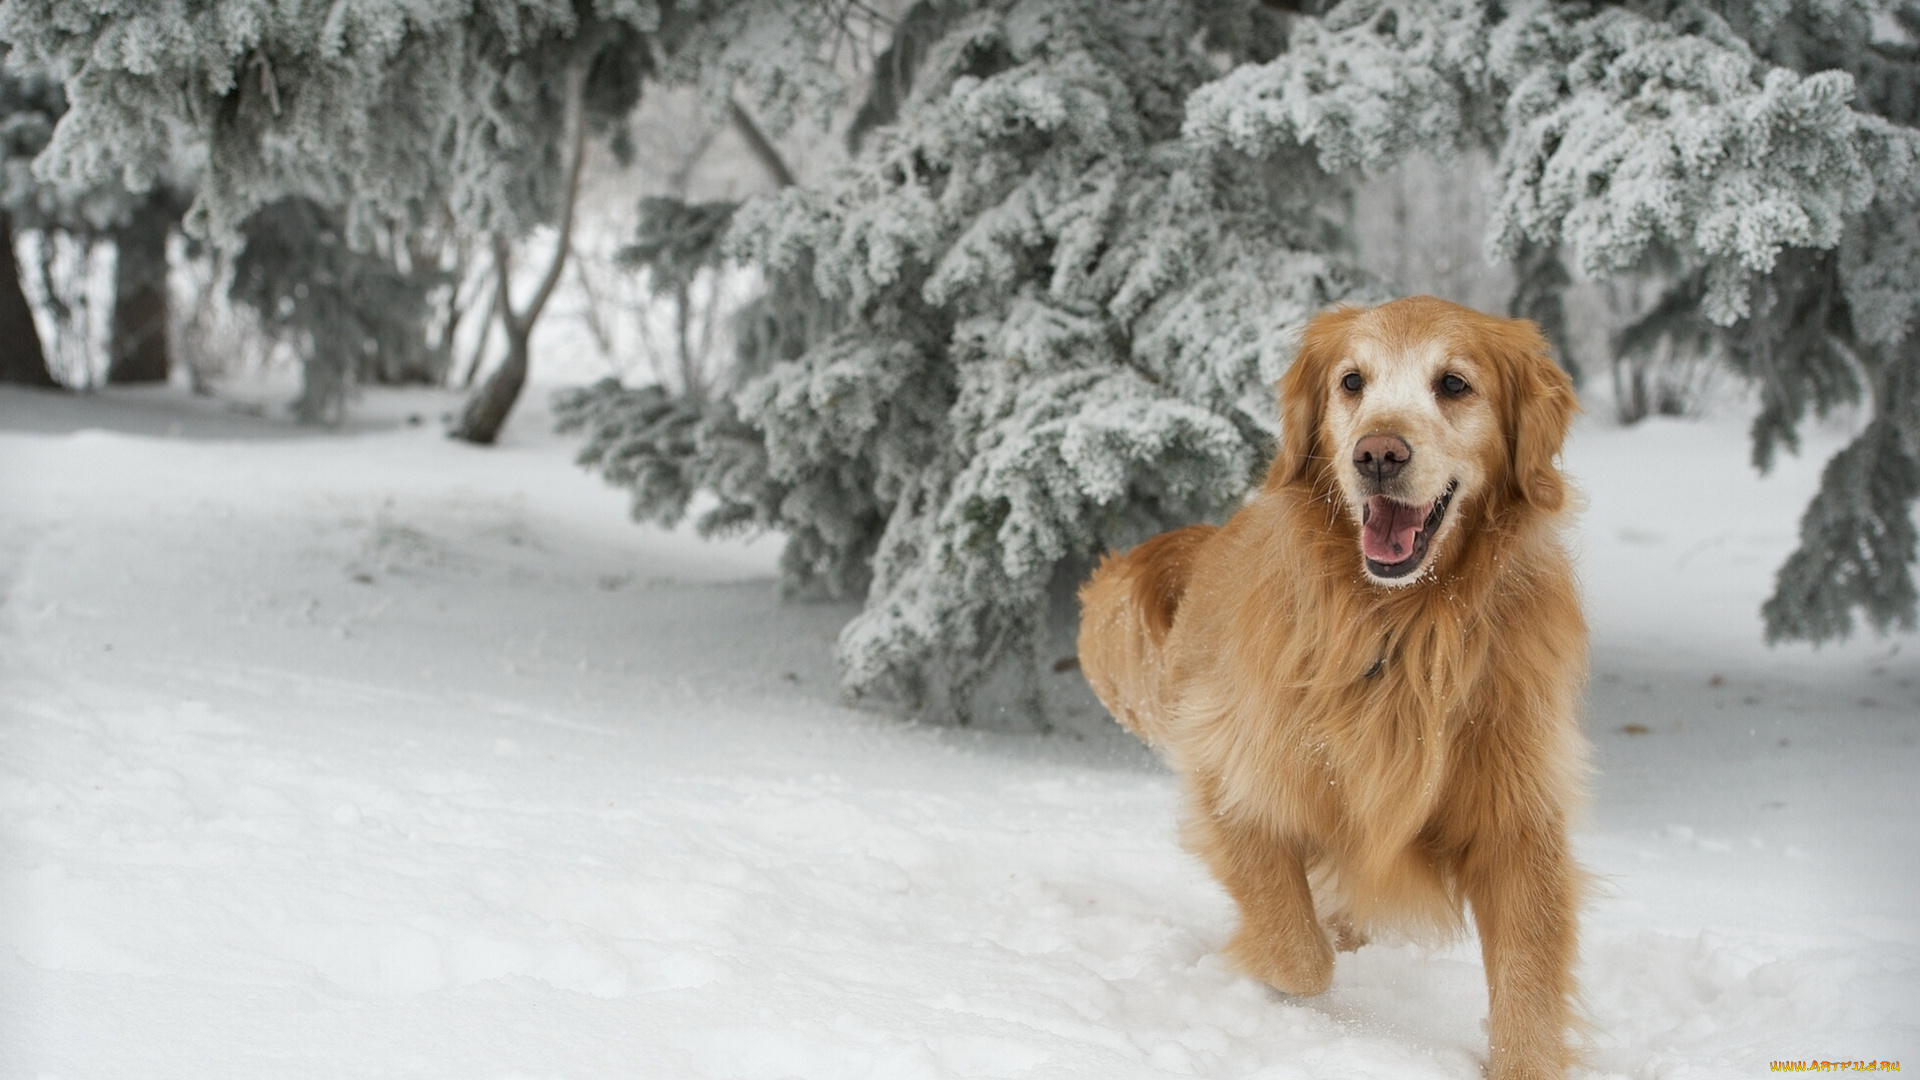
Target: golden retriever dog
x=1368, y=679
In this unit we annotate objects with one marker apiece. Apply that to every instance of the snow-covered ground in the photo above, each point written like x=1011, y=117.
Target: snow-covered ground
x=373, y=755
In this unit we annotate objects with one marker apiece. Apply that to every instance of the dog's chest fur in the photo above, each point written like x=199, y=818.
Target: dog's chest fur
x=1363, y=737
x=1348, y=740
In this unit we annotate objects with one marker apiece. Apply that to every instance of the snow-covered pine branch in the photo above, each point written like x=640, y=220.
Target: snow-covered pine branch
x=403, y=115
x=1054, y=323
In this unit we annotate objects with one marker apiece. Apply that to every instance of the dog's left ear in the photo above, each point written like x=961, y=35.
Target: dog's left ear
x=1540, y=408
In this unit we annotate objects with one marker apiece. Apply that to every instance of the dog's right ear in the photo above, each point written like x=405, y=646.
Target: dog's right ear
x=1540, y=407
x=1303, y=395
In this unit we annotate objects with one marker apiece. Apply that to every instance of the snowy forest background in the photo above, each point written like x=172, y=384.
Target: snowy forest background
x=1010, y=281
x=331, y=746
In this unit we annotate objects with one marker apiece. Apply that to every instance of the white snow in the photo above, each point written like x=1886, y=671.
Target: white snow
x=373, y=754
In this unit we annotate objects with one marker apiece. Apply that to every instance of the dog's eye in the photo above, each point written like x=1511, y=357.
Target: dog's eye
x=1453, y=385
x=1353, y=382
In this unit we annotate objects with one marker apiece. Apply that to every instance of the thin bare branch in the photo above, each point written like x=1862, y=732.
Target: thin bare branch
x=502, y=277
x=269, y=85
x=761, y=146
x=575, y=134
x=596, y=322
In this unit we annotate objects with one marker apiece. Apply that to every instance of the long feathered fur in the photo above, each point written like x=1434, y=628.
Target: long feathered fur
x=1127, y=609
x=1375, y=756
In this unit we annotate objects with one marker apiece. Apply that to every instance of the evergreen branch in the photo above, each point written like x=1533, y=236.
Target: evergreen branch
x=1857, y=546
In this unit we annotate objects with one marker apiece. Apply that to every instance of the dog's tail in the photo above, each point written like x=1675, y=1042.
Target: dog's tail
x=1126, y=609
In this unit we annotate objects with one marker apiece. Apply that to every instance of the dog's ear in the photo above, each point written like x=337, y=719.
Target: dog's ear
x=1540, y=408
x=1303, y=395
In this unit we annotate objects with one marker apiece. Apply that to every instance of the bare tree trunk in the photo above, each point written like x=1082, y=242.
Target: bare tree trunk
x=596, y=325
x=708, y=312
x=138, y=352
x=480, y=344
x=682, y=318
x=22, y=359
x=486, y=411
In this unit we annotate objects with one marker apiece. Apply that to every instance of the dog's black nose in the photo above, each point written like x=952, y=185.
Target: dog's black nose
x=1381, y=456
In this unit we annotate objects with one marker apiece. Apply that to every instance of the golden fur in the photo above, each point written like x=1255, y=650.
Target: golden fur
x=1362, y=753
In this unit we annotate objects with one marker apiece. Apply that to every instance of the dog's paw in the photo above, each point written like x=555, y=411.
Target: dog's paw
x=1516, y=1069
x=1303, y=968
x=1346, y=936
x=1539, y=1061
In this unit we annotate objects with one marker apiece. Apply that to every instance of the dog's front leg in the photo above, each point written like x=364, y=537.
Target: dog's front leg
x=1279, y=941
x=1522, y=884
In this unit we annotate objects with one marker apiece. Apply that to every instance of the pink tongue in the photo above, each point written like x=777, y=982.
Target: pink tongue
x=1387, y=537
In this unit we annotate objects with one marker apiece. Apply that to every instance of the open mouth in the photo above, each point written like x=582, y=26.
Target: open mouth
x=1393, y=535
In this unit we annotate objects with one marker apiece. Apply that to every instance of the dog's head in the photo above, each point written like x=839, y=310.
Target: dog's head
x=1415, y=411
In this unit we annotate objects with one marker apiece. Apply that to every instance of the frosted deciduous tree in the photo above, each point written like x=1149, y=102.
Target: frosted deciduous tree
x=589, y=71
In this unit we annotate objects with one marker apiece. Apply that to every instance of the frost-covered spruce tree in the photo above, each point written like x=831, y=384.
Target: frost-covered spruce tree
x=344, y=311
x=32, y=103
x=1761, y=154
x=1054, y=329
